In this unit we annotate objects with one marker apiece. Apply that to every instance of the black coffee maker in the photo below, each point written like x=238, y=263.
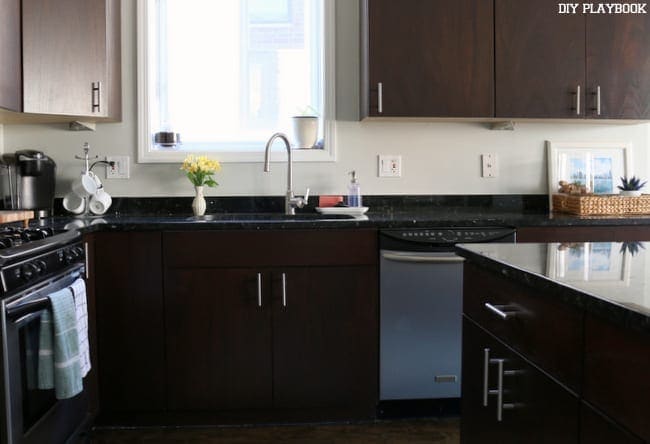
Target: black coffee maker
x=27, y=181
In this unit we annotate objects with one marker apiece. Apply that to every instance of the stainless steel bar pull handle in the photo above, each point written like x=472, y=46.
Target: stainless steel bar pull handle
x=498, y=310
x=86, y=261
x=259, y=290
x=96, y=96
x=500, y=390
x=486, y=369
x=284, y=289
x=598, y=101
x=380, y=98
x=578, y=100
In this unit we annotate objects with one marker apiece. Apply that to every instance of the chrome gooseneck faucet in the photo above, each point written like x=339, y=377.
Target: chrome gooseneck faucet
x=290, y=201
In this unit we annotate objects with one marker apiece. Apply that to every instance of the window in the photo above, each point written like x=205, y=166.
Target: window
x=228, y=74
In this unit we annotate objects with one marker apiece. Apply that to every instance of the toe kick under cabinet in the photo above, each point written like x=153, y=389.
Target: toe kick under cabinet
x=268, y=325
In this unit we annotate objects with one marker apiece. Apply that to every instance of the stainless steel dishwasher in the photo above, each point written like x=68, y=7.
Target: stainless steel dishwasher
x=421, y=286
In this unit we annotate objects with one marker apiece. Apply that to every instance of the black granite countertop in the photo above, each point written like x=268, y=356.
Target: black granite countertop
x=608, y=279
x=408, y=211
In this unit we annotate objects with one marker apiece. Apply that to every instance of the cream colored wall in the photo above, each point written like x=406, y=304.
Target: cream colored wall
x=438, y=158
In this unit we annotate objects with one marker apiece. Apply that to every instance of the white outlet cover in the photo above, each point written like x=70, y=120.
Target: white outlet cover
x=490, y=165
x=389, y=165
x=121, y=168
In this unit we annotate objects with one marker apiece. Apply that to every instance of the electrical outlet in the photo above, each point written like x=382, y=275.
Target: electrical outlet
x=490, y=165
x=389, y=165
x=121, y=168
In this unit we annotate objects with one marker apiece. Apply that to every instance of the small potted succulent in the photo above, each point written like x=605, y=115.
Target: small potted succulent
x=631, y=187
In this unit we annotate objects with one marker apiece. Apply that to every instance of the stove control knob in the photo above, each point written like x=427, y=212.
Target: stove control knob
x=60, y=256
x=29, y=271
x=42, y=267
x=79, y=251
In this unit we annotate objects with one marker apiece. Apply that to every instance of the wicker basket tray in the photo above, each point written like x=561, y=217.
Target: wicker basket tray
x=592, y=204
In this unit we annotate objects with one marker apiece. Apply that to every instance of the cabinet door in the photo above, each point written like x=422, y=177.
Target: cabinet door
x=128, y=287
x=535, y=409
x=218, y=339
x=596, y=428
x=539, y=60
x=433, y=58
x=618, y=61
x=10, y=56
x=65, y=52
x=325, y=339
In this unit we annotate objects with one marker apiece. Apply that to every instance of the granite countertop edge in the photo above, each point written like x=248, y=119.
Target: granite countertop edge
x=388, y=220
x=619, y=314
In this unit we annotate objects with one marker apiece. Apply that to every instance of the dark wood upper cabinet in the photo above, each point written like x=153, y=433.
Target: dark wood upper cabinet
x=539, y=60
x=10, y=56
x=71, y=58
x=551, y=65
x=427, y=58
x=618, y=62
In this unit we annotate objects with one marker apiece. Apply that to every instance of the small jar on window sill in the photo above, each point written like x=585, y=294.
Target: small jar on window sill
x=167, y=139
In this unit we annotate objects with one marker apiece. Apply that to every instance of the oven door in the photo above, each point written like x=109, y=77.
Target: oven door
x=32, y=415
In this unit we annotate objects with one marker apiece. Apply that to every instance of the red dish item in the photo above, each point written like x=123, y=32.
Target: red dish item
x=329, y=201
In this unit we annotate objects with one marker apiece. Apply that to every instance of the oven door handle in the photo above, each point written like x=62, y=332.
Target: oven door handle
x=20, y=310
x=422, y=259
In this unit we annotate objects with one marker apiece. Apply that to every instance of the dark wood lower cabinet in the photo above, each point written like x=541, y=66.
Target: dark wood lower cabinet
x=535, y=409
x=218, y=340
x=325, y=337
x=583, y=234
x=596, y=428
x=130, y=324
x=617, y=370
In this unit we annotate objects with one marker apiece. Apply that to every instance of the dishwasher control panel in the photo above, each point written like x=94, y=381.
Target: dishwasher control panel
x=443, y=236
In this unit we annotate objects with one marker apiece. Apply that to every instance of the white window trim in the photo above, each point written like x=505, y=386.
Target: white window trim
x=147, y=155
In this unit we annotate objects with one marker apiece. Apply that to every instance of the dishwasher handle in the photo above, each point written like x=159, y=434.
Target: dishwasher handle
x=422, y=259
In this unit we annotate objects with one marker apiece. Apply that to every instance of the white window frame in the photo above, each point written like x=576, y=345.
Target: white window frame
x=146, y=153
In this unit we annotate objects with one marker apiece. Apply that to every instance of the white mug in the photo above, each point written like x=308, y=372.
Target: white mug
x=100, y=202
x=85, y=185
x=73, y=203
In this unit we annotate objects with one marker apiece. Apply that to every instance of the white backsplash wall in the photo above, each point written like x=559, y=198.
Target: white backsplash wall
x=437, y=158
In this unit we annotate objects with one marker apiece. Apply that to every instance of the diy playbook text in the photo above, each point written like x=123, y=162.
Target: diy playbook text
x=602, y=8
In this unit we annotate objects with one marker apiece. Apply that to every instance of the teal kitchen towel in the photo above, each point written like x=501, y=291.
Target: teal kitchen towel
x=58, y=353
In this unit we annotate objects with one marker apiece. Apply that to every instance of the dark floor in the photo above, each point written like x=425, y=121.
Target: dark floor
x=430, y=431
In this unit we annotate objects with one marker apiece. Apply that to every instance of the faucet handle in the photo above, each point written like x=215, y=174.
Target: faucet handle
x=306, y=198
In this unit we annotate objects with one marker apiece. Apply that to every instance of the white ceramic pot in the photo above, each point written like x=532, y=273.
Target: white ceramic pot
x=198, y=204
x=630, y=193
x=305, y=131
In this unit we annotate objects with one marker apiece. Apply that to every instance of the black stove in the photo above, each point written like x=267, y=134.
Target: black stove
x=31, y=255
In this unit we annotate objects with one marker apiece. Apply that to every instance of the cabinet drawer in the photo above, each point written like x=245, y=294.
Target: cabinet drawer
x=617, y=365
x=244, y=248
x=546, y=332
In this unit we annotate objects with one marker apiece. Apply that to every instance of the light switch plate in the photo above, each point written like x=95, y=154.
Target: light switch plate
x=121, y=168
x=389, y=165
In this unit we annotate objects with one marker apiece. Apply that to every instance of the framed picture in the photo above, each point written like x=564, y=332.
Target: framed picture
x=596, y=165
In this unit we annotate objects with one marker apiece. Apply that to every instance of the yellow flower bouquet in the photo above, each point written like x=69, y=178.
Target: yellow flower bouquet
x=199, y=170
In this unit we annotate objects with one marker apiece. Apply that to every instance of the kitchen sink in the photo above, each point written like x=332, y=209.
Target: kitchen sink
x=271, y=217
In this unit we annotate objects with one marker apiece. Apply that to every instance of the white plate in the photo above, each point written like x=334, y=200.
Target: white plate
x=350, y=211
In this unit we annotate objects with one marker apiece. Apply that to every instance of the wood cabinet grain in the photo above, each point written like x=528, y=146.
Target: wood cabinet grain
x=69, y=49
x=130, y=323
x=539, y=60
x=536, y=409
x=433, y=58
x=285, y=324
x=618, y=63
x=617, y=365
x=10, y=56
